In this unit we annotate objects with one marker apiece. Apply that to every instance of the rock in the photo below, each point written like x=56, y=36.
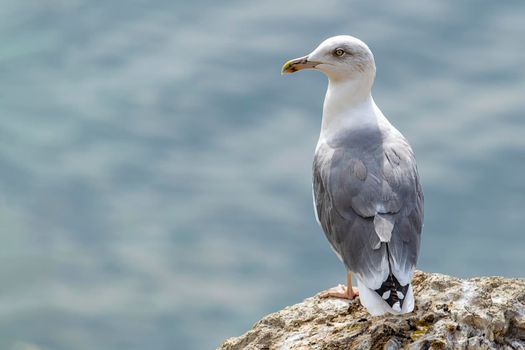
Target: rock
x=450, y=313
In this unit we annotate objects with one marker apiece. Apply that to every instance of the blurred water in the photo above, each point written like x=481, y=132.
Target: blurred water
x=155, y=167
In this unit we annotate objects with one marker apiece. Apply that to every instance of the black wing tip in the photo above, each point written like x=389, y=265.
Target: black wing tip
x=392, y=291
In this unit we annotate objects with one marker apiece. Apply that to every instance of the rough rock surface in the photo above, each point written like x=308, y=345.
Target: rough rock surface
x=450, y=313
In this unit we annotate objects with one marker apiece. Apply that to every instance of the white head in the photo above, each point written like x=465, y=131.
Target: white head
x=342, y=58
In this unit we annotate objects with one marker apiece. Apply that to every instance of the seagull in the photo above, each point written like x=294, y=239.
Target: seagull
x=367, y=195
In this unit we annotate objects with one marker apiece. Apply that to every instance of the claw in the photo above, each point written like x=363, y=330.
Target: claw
x=348, y=292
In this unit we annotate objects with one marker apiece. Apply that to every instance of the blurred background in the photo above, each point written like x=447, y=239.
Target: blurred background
x=155, y=167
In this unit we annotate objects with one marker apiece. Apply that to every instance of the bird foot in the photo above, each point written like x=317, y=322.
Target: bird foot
x=341, y=292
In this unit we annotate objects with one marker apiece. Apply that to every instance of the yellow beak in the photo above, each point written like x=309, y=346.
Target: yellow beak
x=298, y=64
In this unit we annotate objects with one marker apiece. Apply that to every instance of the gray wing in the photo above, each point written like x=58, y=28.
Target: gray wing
x=367, y=192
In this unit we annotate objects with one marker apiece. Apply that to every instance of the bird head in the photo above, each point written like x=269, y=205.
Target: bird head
x=340, y=57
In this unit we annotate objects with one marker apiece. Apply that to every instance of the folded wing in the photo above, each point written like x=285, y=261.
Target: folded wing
x=370, y=205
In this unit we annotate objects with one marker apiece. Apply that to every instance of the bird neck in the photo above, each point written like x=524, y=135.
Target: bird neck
x=349, y=104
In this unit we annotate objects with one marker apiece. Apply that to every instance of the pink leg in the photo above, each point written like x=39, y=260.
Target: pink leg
x=348, y=292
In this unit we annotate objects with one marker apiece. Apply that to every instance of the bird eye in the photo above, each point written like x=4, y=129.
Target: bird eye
x=339, y=52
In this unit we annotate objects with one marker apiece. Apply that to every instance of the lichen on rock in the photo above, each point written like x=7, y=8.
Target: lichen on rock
x=450, y=313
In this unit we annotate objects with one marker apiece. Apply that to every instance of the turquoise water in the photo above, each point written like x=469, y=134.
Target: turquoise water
x=155, y=167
